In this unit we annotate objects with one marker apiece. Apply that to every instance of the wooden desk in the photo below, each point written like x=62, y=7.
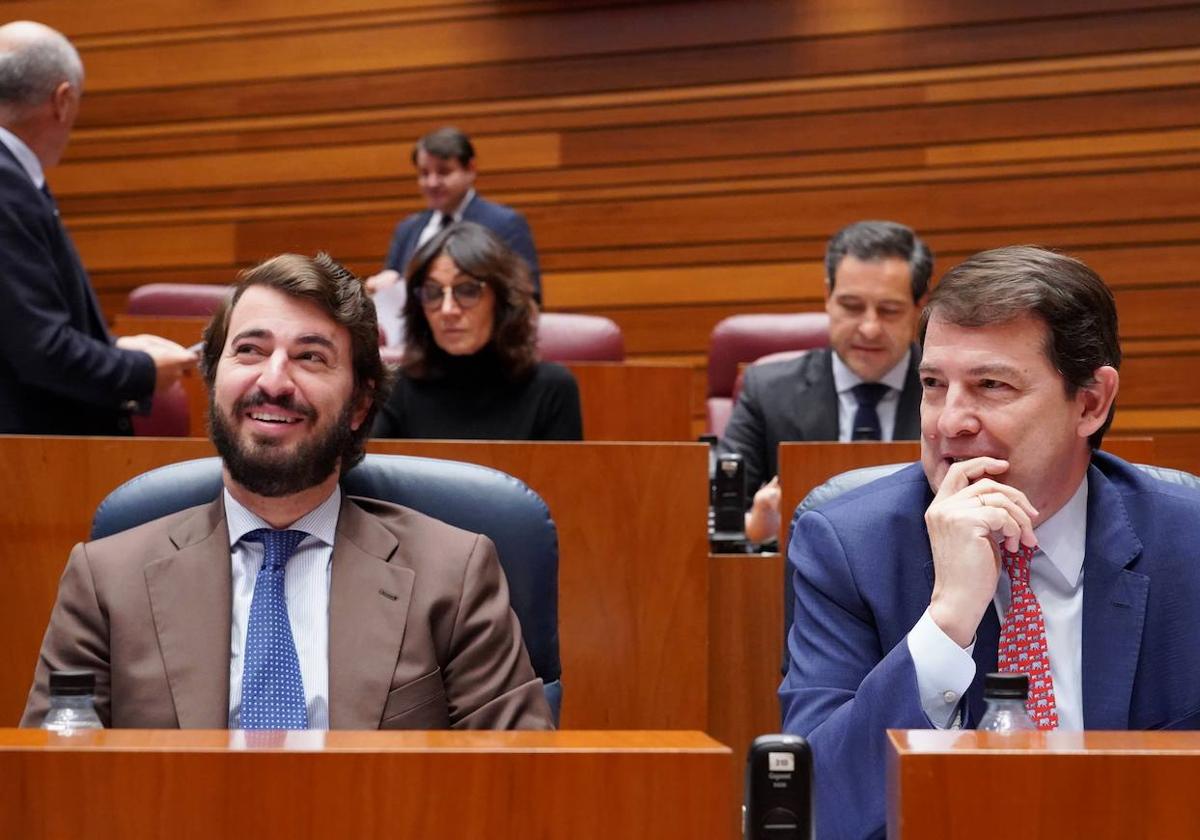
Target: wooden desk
x=130, y=785
x=624, y=402
x=633, y=576
x=1098, y=785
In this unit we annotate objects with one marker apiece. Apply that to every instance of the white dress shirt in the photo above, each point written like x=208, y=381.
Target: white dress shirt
x=945, y=670
x=306, y=588
x=25, y=156
x=844, y=382
x=434, y=225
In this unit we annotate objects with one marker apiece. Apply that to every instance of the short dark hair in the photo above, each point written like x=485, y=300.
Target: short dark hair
x=879, y=240
x=478, y=253
x=1002, y=285
x=447, y=142
x=339, y=294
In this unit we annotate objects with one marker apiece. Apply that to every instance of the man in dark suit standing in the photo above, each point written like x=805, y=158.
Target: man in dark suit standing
x=445, y=164
x=863, y=387
x=60, y=370
x=282, y=603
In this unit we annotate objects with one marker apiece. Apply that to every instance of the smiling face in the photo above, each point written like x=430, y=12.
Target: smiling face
x=282, y=405
x=443, y=180
x=459, y=331
x=872, y=315
x=992, y=391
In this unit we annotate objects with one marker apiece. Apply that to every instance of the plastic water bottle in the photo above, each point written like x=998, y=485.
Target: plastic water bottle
x=1005, y=695
x=72, y=703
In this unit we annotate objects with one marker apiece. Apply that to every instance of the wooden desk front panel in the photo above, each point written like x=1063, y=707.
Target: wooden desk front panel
x=633, y=581
x=1098, y=785
x=137, y=785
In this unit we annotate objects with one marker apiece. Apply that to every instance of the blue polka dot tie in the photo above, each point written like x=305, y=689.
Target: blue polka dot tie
x=272, y=687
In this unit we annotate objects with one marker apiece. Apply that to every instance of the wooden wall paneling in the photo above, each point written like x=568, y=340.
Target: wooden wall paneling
x=678, y=162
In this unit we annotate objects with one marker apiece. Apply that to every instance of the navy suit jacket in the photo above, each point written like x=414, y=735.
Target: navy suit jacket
x=59, y=370
x=863, y=576
x=503, y=221
x=796, y=400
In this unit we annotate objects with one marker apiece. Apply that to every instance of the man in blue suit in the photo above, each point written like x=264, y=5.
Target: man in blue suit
x=60, y=371
x=901, y=590
x=445, y=164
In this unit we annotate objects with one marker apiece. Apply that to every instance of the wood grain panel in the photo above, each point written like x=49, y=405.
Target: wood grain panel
x=678, y=162
x=145, y=785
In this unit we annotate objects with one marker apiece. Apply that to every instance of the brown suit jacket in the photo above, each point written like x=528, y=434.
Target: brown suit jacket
x=421, y=635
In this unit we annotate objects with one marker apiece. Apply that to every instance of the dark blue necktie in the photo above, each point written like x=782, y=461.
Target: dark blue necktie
x=866, y=418
x=272, y=687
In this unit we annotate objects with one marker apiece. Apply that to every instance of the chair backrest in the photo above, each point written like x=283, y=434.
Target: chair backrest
x=170, y=415
x=177, y=299
x=469, y=496
x=570, y=337
x=847, y=481
x=740, y=339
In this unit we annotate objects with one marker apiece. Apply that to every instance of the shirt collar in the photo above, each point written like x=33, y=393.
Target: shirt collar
x=320, y=522
x=1063, y=537
x=25, y=156
x=462, y=205
x=844, y=379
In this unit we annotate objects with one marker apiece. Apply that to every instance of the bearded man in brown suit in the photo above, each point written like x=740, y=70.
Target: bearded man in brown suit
x=394, y=619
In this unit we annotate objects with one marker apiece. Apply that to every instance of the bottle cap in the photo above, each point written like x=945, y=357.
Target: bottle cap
x=1006, y=686
x=72, y=683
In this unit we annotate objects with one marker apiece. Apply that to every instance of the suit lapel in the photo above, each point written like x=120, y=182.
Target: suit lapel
x=368, y=609
x=191, y=600
x=908, y=410
x=1114, y=607
x=817, y=412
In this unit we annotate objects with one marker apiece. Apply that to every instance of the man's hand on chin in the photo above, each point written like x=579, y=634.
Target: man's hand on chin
x=968, y=518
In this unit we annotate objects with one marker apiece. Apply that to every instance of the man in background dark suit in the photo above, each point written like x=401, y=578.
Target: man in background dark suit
x=445, y=164
x=60, y=370
x=876, y=278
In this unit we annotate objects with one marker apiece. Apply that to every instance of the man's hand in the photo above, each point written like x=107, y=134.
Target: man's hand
x=969, y=514
x=762, y=520
x=171, y=361
x=383, y=280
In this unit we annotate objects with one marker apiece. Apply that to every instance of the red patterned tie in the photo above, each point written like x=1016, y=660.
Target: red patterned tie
x=1023, y=640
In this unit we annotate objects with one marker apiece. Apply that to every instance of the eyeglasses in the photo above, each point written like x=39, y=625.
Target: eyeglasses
x=466, y=294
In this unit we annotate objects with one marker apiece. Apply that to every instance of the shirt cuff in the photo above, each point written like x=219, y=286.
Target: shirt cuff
x=944, y=671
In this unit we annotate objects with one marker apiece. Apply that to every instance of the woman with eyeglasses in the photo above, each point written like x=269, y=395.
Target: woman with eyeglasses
x=470, y=367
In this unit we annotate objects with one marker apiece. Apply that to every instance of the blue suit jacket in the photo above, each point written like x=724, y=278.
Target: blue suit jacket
x=504, y=221
x=864, y=575
x=59, y=370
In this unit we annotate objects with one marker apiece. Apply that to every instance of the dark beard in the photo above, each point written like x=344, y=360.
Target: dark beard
x=263, y=468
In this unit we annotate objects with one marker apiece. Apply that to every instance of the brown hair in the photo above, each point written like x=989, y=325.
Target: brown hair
x=1002, y=285
x=478, y=253
x=343, y=298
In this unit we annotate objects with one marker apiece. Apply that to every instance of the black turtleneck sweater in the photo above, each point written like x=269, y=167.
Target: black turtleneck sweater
x=472, y=398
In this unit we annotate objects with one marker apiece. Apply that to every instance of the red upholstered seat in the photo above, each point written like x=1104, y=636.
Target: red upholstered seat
x=177, y=299
x=741, y=339
x=567, y=337
x=168, y=417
